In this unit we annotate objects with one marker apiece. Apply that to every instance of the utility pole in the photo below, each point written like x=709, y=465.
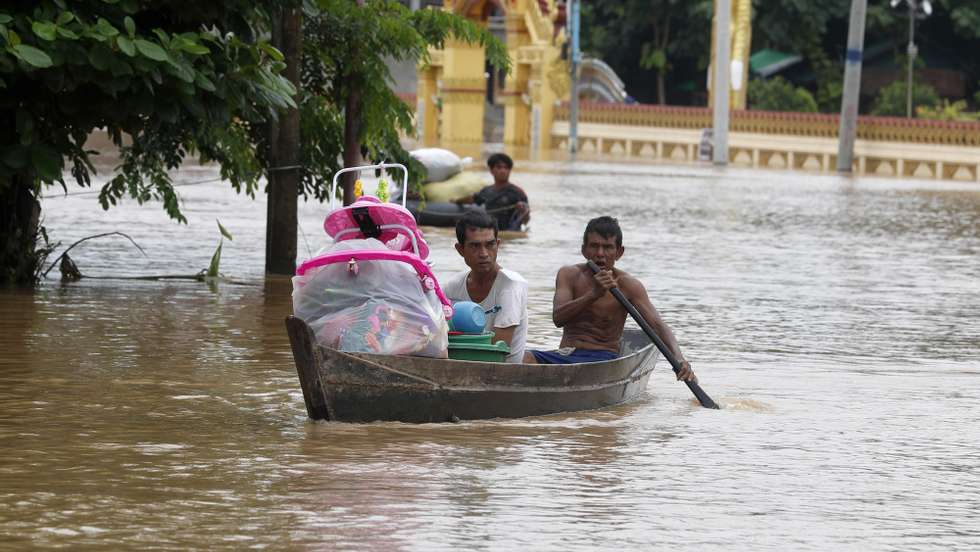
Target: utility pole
x=721, y=84
x=912, y=51
x=852, y=87
x=574, y=9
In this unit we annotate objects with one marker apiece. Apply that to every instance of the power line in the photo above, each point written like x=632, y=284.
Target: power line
x=175, y=185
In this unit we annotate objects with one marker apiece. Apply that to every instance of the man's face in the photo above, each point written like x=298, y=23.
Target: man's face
x=602, y=251
x=480, y=250
x=500, y=172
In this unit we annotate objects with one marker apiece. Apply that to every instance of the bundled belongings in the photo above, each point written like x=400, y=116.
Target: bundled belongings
x=440, y=164
x=371, y=290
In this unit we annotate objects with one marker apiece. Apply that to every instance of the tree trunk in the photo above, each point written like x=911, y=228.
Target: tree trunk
x=352, y=138
x=352, y=132
x=20, y=215
x=284, y=148
x=661, y=87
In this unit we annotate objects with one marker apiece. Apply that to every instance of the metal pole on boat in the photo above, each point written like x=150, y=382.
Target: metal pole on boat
x=852, y=87
x=574, y=8
x=721, y=84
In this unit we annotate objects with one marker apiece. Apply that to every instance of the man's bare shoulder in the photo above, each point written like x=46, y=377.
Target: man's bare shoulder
x=627, y=282
x=571, y=271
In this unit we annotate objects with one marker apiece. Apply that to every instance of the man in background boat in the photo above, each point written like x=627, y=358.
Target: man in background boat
x=592, y=320
x=500, y=292
x=503, y=199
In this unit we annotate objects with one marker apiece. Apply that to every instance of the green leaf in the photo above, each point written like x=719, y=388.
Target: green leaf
x=273, y=53
x=25, y=123
x=203, y=82
x=193, y=48
x=106, y=29
x=119, y=67
x=47, y=162
x=46, y=30
x=15, y=157
x=224, y=231
x=182, y=71
x=126, y=45
x=4, y=19
x=215, y=262
x=130, y=26
x=67, y=33
x=151, y=50
x=100, y=57
x=32, y=56
x=65, y=17
x=13, y=38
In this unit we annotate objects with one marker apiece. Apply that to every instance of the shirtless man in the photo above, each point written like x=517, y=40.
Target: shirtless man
x=591, y=318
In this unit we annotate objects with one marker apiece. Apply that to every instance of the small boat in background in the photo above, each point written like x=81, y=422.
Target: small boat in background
x=438, y=213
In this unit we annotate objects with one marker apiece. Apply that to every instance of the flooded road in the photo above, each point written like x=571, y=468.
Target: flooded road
x=835, y=320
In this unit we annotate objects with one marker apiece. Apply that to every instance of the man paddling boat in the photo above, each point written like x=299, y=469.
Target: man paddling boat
x=503, y=199
x=592, y=320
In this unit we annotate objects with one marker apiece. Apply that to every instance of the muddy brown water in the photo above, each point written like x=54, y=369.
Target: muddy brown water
x=836, y=320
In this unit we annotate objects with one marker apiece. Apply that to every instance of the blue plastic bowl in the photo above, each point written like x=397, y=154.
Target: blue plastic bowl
x=468, y=317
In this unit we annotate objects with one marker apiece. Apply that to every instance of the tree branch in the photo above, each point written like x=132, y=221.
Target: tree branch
x=65, y=252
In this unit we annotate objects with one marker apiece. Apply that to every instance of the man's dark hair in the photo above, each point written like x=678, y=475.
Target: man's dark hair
x=607, y=227
x=474, y=220
x=499, y=158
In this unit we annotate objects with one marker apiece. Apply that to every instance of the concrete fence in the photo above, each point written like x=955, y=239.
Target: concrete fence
x=886, y=146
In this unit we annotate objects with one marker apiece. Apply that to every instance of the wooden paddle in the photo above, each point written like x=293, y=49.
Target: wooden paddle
x=702, y=397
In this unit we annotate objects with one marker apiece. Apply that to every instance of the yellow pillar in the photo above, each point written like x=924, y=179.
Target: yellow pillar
x=463, y=91
x=427, y=106
x=740, y=50
x=517, y=112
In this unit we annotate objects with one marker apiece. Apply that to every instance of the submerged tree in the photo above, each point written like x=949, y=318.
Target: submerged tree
x=347, y=103
x=178, y=78
x=201, y=79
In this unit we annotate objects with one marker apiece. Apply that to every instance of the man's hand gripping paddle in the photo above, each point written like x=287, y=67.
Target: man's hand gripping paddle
x=702, y=397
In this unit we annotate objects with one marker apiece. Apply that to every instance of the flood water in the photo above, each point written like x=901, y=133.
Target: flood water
x=835, y=320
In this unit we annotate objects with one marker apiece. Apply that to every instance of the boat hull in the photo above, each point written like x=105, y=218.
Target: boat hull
x=438, y=213
x=360, y=387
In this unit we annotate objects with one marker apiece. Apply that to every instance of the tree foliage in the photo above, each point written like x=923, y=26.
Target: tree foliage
x=892, y=99
x=171, y=79
x=672, y=37
x=947, y=111
x=776, y=94
x=347, y=44
x=174, y=76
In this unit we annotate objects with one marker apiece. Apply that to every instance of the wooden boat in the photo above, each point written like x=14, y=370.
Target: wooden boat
x=363, y=387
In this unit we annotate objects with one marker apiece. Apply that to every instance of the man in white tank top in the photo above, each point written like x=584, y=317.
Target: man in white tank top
x=502, y=293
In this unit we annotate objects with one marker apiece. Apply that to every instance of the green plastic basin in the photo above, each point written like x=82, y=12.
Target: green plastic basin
x=477, y=347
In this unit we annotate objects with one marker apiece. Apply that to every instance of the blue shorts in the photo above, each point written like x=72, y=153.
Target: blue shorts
x=574, y=357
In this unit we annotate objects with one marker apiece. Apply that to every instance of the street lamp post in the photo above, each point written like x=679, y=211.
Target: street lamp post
x=575, y=57
x=913, y=50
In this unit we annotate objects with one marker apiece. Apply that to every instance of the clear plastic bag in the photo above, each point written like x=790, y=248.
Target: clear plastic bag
x=377, y=307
